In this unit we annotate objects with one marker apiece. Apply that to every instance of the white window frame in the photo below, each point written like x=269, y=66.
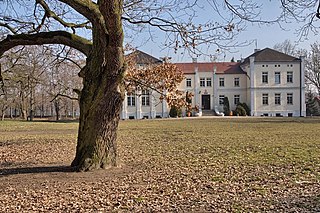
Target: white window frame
x=277, y=98
x=131, y=100
x=221, y=99
x=237, y=82
x=265, y=99
x=277, y=77
x=289, y=77
x=236, y=99
x=145, y=98
x=221, y=82
x=264, y=78
x=202, y=82
x=290, y=98
x=188, y=82
x=209, y=82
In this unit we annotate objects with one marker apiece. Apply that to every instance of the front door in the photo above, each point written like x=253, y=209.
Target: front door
x=206, y=102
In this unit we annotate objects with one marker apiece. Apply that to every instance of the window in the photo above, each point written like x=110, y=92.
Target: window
x=290, y=77
x=202, y=82
x=289, y=98
x=188, y=82
x=277, y=77
x=131, y=99
x=277, y=99
x=208, y=82
x=145, y=98
x=265, y=99
x=265, y=77
x=236, y=99
x=236, y=82
x=221, y=82
x=221, y=99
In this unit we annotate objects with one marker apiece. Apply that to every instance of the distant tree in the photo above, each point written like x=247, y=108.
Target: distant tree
x=286, y=47
x=312, y=105
x=313, y=67
x=23, y=73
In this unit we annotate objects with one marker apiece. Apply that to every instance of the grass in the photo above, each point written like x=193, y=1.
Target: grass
x=209, y=164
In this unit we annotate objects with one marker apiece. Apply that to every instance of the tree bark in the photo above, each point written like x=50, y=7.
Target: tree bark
x=103, y=93
x=57, y=109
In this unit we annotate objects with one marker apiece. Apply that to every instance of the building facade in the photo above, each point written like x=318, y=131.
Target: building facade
x=271, y=83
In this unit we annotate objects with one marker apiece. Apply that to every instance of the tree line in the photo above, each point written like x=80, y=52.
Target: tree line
x=38, y=83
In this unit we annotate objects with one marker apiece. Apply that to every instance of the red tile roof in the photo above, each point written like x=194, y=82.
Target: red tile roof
x=222, y=67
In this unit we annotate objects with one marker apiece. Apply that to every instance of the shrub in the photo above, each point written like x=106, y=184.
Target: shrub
x=240, y=110
x=245, y=107
x=175, y=112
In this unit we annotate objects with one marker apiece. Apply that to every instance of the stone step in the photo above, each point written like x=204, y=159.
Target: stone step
x=208, y=113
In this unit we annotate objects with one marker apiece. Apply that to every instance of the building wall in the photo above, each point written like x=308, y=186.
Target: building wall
x=257, y=88
x=230, y=90
x=250, y=90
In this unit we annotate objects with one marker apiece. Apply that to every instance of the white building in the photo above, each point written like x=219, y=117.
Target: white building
x=271, y=83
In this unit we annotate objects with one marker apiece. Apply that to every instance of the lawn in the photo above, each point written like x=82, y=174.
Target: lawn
x=173, y=165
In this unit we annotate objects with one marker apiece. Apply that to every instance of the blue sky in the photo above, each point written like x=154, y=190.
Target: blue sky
x=260, y=35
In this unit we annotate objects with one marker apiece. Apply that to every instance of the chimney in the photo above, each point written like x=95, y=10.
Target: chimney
x=166, y=59
x=256, y=50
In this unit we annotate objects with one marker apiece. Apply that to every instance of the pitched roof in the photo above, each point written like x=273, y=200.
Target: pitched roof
x=222, y=67
x=144, y=58
x=270, y=55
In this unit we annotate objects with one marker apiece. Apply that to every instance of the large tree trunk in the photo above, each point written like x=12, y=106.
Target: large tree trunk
x=102, y=95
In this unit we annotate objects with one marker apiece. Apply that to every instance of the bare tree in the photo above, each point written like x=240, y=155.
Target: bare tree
x=52, y=22
x=286, y=47
x=62, y=81
x=313, y=68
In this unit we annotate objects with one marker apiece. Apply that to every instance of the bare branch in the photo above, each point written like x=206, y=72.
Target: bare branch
x=54, y=37
x=6, y=25
x=88, y=9
x=50, y=13
x=65, y=96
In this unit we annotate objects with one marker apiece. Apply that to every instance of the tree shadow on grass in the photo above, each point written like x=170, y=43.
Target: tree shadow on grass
x=300, y=204
x=36, y=170
x=55, y=121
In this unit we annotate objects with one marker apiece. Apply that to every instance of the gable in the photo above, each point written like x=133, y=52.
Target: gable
x=144, y=58
x=270, y=55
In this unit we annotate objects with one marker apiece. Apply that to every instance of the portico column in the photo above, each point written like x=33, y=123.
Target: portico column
x=215, y=92
x=152, y=105
x=196, y=87
x=124, y=107
x=302, y=87
x=138, y=101
x=252, y=87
